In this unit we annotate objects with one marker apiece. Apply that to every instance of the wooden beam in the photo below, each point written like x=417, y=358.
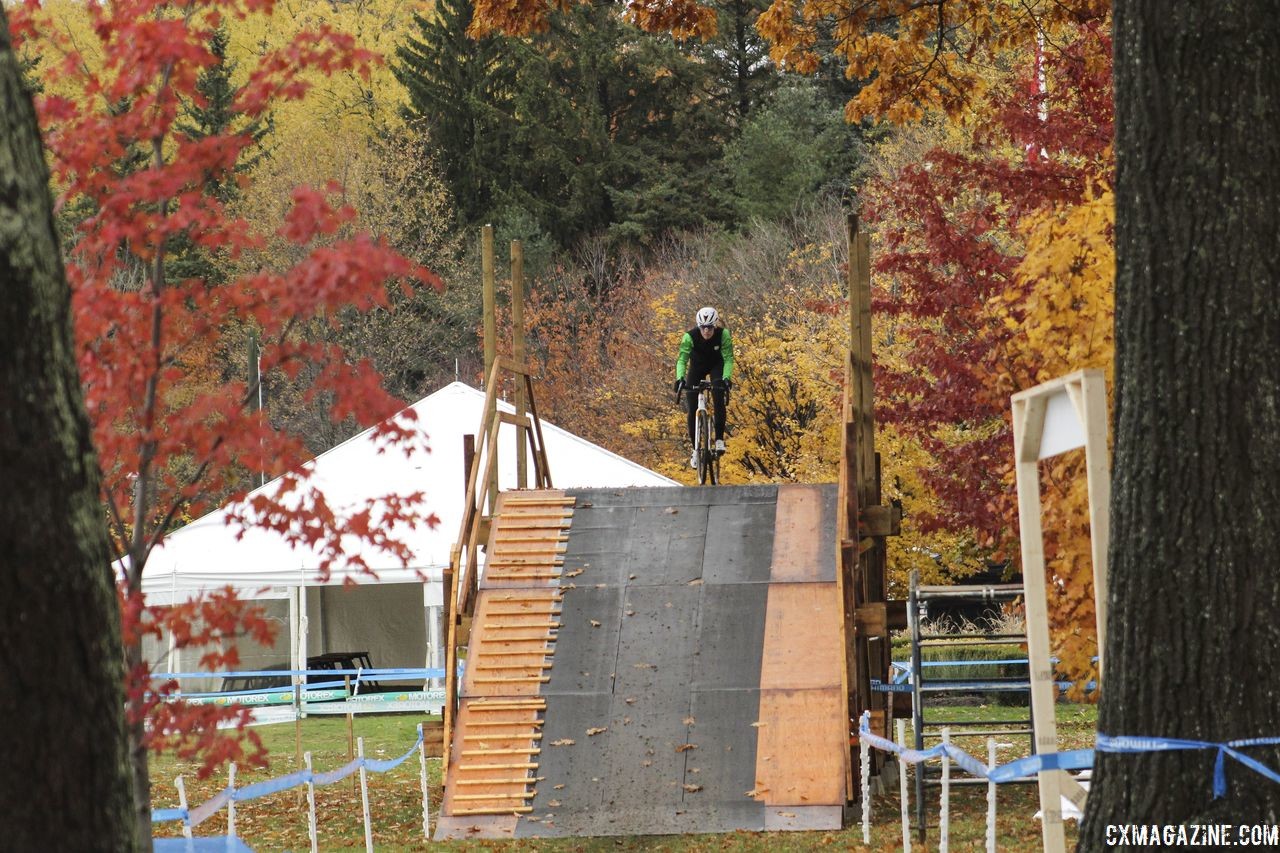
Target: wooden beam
x=880, y=521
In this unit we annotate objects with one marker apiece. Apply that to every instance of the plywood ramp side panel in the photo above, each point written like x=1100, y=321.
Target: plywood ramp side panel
x=802, y=645
x=801, y=748
x=801, y=552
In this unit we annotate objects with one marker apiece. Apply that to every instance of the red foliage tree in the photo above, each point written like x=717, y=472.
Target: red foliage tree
x=170, y=433
x=951, y=226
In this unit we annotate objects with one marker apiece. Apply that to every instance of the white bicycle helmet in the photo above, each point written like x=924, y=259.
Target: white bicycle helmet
x=707, y=317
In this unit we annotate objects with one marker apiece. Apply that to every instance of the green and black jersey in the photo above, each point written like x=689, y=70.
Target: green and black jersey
x=701, y=357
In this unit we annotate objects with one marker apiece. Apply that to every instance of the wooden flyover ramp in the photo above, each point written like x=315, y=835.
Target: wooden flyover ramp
x=653, y=661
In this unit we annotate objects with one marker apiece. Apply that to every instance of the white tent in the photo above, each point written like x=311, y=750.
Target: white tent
x=385, y=616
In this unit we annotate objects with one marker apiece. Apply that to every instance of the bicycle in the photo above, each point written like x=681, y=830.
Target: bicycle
x=704, y=434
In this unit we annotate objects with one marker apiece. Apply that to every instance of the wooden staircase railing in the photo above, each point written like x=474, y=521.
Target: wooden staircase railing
x=461, y=577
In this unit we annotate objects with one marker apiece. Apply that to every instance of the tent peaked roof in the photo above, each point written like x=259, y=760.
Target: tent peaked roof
x=210, y=554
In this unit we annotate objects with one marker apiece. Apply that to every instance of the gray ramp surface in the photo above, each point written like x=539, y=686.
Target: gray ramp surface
x=656, y=679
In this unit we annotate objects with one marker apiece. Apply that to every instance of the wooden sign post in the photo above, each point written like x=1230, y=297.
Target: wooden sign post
x=1049, y=419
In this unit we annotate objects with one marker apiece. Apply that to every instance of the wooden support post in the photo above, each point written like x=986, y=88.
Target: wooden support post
x=468, y=457
x=490, y=344
x=517, y=352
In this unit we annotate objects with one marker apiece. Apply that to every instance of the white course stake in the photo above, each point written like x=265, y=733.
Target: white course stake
x=902, y=788
x=991, y=796
x=186, y=818
x=231, y=804
x=864, y=752
x=944, y=810
x=364, y=797
x=311, y=805
x=426, y=806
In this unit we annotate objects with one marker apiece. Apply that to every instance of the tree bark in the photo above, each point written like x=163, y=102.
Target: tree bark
x=65, y=782
x=1194, y=641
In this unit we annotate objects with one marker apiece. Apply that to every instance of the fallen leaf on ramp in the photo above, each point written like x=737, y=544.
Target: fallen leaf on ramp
x=595, y=731
x=689, y=721
x=692, y=789
x=562, y=742
x=573, y=574
x=595, y=623
x=685, y=747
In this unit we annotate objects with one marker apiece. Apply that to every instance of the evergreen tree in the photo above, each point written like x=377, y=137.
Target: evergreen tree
x=795, y=145
x=214, y=115
x=460, y=92
x=217, y=114
x=740, y=58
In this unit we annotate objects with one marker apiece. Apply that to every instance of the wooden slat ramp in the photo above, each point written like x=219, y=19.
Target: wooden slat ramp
x=653, y=661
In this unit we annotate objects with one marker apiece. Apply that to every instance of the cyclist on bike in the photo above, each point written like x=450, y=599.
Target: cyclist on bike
x=705, y=350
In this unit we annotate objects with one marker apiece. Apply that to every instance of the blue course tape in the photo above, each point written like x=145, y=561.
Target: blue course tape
x=383, y=765
x=271, y=786
x=337, y=775
x=283, y=783
x=1076, y=759
x=1131, y=744
x=1073, y=760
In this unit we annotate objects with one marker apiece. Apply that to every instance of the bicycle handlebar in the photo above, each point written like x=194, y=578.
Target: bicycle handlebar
x=703, y=385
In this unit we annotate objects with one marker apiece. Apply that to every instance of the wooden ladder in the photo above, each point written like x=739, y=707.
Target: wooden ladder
x=497, y=737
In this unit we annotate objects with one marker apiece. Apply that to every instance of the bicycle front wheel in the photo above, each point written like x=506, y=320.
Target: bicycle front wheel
x=704, y=449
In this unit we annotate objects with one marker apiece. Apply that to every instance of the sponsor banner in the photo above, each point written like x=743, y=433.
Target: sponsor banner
x=429, y=701
x=267, y=697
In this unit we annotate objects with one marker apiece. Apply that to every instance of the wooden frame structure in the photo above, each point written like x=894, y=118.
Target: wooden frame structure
x=1052, y=418
x=863, y=523
x=461, y=577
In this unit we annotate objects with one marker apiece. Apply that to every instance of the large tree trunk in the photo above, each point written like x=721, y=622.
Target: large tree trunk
x=64, y=782
x=1194, y=640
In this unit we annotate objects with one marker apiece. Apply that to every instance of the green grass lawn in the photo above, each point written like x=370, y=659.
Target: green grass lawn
x=279, y=822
